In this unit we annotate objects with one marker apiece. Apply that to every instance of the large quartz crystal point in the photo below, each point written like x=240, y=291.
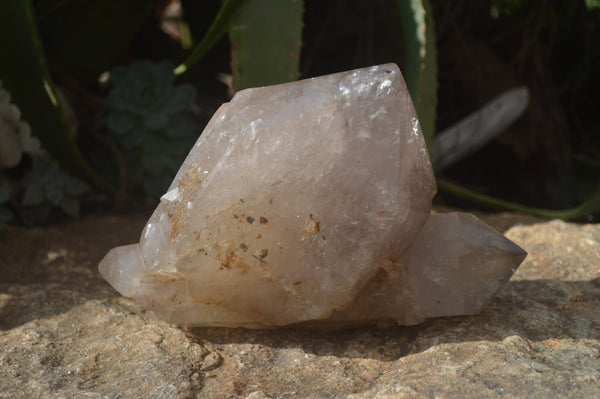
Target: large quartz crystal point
x=454, y=266
x=286, y=206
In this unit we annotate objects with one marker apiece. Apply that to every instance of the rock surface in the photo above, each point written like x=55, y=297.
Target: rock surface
x=64, y=332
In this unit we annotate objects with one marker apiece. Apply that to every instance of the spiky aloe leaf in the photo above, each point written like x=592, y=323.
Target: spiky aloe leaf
x=228, y=13
x=421, y=61
x=265, y=42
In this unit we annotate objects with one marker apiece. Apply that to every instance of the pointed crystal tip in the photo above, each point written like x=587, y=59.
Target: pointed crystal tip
x=454, y=267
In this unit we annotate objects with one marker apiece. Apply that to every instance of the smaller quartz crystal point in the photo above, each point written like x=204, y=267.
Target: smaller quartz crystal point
x=454, y=267
x=310, y=201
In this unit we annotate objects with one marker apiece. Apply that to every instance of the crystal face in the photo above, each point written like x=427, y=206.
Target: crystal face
x=291, y=204
x=453, y=267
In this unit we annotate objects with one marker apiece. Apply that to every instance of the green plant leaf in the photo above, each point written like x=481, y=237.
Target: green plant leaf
x=590, y=207
x=46, y=185
x=25, y=75
x=228, y=13
x=420, y=52
x=592, y=4
x=265, y=42
x=144, y=93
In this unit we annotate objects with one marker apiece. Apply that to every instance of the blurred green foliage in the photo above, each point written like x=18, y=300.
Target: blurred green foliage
x=25, y=75
x=47, y=186
x=228, y=13
x=421, y=61
x=149, y=120
x=592, y=3
x=86, y=37
x=138, y=124
x=265, y=43
x=550, y=157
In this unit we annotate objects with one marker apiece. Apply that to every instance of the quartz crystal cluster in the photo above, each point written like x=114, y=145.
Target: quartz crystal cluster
x=310, y=202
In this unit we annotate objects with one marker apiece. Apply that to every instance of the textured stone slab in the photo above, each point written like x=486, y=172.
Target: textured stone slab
x=65, y=333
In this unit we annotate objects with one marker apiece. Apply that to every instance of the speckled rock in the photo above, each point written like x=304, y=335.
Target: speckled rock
x=64, y=332
x=560, y=250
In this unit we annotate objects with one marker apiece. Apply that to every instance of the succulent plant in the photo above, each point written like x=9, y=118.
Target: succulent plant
x=15, y=134
x=149, y=120
x=48, y=185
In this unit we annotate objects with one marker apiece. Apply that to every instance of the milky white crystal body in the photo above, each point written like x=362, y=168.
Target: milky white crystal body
x=288, y=204
x=453, y=267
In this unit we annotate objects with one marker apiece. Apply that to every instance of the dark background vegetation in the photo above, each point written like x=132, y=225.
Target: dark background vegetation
x=549, y=158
